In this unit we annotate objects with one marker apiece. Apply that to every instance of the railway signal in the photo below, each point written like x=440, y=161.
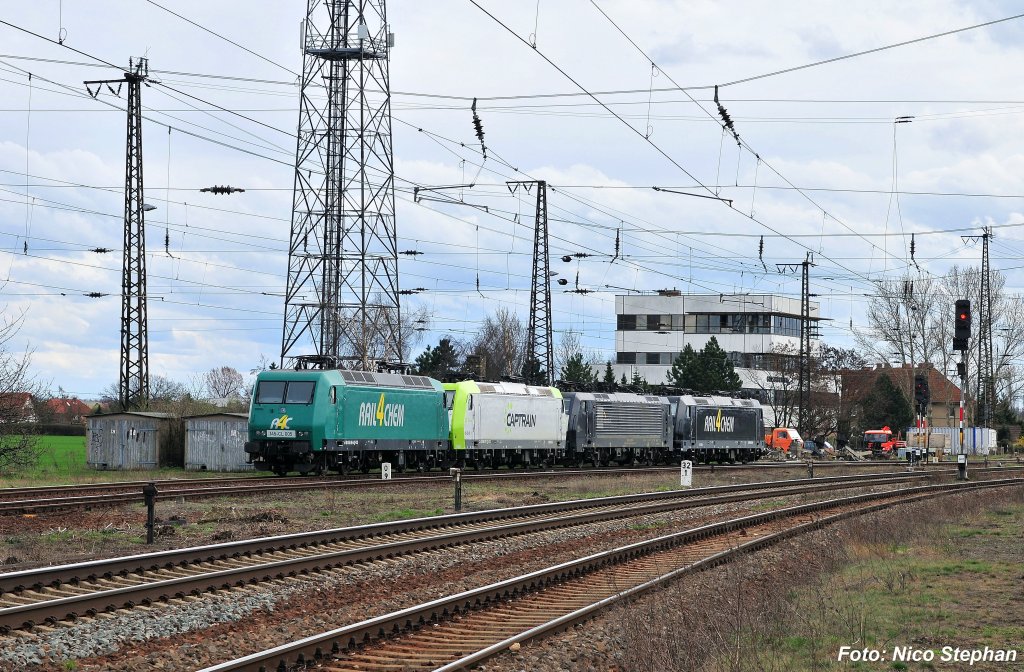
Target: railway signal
x=922, y=394
x=962, y=325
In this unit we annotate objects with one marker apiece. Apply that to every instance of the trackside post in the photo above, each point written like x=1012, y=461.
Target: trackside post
x=149, y=493
x=456, y=475
x=686, y=474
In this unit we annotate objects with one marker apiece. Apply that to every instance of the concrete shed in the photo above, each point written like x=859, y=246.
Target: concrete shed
x=216, y=442
x=132, y=440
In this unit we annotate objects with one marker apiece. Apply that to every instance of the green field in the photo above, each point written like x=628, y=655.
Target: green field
x=59, y=456
x=61, y=460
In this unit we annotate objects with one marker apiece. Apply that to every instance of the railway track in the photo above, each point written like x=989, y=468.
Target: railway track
x=474, y=625
x=51, y=594
x=38, y=499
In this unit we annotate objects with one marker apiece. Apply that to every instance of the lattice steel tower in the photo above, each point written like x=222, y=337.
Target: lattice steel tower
x=342, y=300
x=806, y=329
x=986, y=376
x=538, y=369
x=133, y=386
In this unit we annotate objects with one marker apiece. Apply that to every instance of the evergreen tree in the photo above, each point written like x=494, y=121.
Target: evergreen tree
x=886, y=405
x=678, y=374
x=438, y=361
x=426, y=362
x=609, y=375
x=638, y=381
x=718, y=370
x=578, y=371
x=623, y=381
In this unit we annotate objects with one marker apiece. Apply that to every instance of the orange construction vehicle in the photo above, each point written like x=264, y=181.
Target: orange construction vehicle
x=783, y=438
x=881, y=442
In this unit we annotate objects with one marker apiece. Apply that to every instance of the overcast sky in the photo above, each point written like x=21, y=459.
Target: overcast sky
x=215, y=288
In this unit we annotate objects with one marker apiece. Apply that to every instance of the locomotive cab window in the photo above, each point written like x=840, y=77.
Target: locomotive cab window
x=449, y=400
x=300, y=392
x=469, y=403
x=270, y=392
x=334, y=395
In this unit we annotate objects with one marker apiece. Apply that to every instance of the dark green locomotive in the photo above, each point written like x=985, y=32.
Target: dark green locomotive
x=319, y=420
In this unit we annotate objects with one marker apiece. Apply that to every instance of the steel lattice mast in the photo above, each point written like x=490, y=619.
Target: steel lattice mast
x=538, y=368
x=986, y=378
x=342, y=300
x=805, y=344
x=133, y=386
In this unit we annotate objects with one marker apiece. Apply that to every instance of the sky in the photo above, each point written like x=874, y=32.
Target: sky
x=604, y=100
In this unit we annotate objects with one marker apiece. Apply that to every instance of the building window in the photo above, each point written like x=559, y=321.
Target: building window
x=626, y=323
x=653, y=358
x=785, y=326
x=625, y=358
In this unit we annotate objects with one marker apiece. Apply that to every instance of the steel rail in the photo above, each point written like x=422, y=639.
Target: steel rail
x=216, y=487
x=315, y=648
x=59, y=574
x=269, y=568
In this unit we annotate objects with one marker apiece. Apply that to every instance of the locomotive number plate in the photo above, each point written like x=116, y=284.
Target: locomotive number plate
x=280, y=433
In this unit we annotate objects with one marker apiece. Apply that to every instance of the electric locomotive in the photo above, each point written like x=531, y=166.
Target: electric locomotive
x=312, y=421
x=509, y=424
x=622, y=427
x=718, y=429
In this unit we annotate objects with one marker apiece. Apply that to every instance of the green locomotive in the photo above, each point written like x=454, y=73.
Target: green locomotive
x=318, y=420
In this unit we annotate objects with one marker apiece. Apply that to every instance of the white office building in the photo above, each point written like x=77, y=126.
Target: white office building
x=651, y=330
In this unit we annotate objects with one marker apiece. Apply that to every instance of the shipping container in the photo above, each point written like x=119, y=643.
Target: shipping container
x=216, y=442
x=132, y=440
x=977, y=440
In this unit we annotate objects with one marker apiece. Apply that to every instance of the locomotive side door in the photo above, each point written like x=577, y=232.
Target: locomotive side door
x=586, y=427
x=469, y=423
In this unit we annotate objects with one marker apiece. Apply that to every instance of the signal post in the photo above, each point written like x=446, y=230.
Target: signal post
x=961, y=336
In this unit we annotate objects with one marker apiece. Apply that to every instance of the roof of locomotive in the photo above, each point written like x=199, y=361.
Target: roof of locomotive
x=474, y=387
x=355, y=378
x=626, y=397
x=711, y=400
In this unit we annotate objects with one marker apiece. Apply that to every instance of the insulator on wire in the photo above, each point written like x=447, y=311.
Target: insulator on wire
x=478, y=127
x=222, y=190
x=726, y=119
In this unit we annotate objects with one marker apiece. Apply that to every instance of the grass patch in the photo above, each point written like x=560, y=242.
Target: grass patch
x=896, y=579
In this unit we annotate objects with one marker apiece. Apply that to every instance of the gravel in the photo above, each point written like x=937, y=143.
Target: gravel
x=195, y=632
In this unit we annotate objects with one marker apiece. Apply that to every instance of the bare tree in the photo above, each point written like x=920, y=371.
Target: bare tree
x=502, y=340
x=223, y=382
x=371, y=343
x=780, y=387
x=162, y=391
x=911, y=322
x=18, y=392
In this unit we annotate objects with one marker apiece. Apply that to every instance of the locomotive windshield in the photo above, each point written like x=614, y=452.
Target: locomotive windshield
x=876, y=437
x=299, y=392
x=279, y=391
x=270, y=392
